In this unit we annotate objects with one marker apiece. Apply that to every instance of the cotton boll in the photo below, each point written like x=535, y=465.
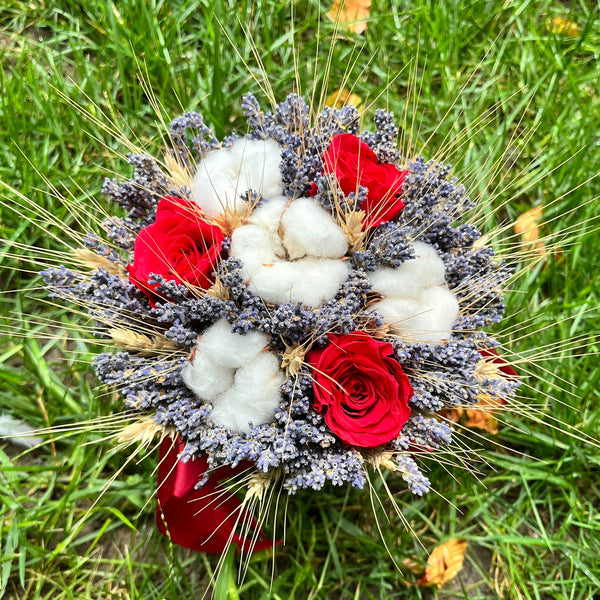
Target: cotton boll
x=259, y=168
x=205, y=378
x=216, y=182
x=417, y=305
x=228, y=349
x=428, y=267
x=309, y=230
x=236, y=375
x=422, y=327
x=268, y=214
x=223, y=175
x=442, y=299
x=253, y=397
x=260, y=377
x=310, y=281
x=397, y=312
x=228, y=413
x=444, y=311
x=253, y=245
x=408, y=318
x=395, y=282
x=428, y=318
x=317, y=280
x=409, y=279
x=272, y=282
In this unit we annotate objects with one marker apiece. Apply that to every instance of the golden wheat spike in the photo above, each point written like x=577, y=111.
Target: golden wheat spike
x=138, y=342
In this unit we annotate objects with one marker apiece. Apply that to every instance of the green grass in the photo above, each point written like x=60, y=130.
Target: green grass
x=533, y=521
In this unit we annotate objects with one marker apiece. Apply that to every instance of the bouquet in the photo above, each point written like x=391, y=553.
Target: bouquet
x=288, y=309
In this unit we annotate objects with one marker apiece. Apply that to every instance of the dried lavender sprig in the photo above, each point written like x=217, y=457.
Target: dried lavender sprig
x=425, y=432
x=93, y=242
x=140, y=195
x=388, y=247
x=189, y=134
x=417, y=483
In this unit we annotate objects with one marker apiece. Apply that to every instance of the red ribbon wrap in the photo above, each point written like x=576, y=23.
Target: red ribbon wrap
x=203, y=519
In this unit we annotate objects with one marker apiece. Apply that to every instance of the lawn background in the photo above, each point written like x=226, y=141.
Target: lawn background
x=533, y=520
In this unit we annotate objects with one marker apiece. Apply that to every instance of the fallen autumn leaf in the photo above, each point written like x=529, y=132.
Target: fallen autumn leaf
x=350, y=14
x=444, y=563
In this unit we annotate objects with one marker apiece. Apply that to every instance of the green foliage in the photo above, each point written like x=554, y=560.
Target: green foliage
x=512, y=105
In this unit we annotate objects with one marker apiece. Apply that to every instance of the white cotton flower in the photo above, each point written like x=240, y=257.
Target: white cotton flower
x=255, y=246
x=223, y=175
x=395, y=282
x=309, y=230
x=442, y=306
x=237, y=375
x=397, y=311
x=206, y=378
x=417, y=304
x=267, y=215
x=253, y=397
x=306, y=245
x=426, y=270
x=229, y=349
x=310, y=280
x=428, y=265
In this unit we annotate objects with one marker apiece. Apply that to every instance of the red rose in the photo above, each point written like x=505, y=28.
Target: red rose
x=361, y=389
x=353, y=163
x=179, y=245
x=504, y=368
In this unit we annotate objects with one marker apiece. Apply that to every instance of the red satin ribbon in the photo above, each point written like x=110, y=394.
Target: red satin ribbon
x=203, y=519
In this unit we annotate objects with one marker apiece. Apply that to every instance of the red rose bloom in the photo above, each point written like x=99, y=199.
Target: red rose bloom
x=360, y=389
x=504, y=368
x=353, y=163
x=179, y=245
x=491, y=355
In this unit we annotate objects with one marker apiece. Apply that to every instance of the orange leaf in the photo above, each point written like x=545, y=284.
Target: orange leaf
x=528, y=228
x=350, y=14
x=444, y=563
x=563, y=27
x=452, y=414
x=481, y=415
x=341, y=98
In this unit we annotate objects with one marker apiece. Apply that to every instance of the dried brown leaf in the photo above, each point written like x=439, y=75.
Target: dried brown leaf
x=413, y=566
x=350, y=14
x=478, y=416
x=527, y=226
x=341, y=98
x=444, y=563
x=481, y=415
